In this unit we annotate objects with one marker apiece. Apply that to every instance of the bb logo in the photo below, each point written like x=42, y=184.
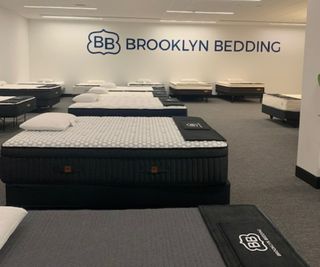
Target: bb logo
x=252, y=242
x=104, y=42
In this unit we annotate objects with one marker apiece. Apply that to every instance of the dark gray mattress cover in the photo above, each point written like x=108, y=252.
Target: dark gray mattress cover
x=164, y=237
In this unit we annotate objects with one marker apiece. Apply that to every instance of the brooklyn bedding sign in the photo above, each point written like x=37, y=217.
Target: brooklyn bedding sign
x=105, y=42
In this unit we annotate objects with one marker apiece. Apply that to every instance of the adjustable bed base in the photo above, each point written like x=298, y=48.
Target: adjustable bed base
x=220, y=236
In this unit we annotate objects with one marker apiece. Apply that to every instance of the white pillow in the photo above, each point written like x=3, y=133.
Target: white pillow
x=189, y=80
x=109, y=85
x=10, y=218
x=234, y=80
x=45, y=80
x=3, y=83
x=86, y=98
x=98, y=90
x=53, y=121
x=96, y=81
x=141, y=80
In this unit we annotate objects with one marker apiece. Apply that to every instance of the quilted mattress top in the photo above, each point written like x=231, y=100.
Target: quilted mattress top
x=113, y=132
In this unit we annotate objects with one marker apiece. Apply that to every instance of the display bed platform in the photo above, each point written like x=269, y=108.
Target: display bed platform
x=219, y=236
x=190, y=89
x=240, y=89
x=180, y=160
x=283, y=106
x=46, y=95
x=15, y=106
x=127, y=104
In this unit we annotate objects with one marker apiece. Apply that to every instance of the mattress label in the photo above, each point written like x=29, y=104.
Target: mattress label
x=245, y=237
x=258, y=242
x=196, y=129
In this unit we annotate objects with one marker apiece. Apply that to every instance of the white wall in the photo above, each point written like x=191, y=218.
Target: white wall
x=14, y=47
x=309, y=137
x=58, y=50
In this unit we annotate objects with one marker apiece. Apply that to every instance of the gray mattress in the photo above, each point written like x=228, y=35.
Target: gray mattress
x=164, y=237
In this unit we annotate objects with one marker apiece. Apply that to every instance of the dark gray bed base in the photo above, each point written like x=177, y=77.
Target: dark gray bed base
x=128, y=112
x=289, y=116
x=46, y=97
x=235, y=92
x=37, y=196
x=179, y=93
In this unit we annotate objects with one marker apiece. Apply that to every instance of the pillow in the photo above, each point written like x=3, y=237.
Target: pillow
x=45, y=80
x=3, y=83
x=53, y=121
x=109, y=85
x=234, y=80
x=10, y=218
x=96, y=81
x=98, y=90
x=189, y=80
x=86, y=98
x=144, y=80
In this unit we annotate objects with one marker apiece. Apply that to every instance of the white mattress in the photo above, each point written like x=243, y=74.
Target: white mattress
x=240, y=84
x=3, y=98
x=110, y=101
x=112, y=132
x=191, y=85
x=22, y=86
x=42, y=83
x=282, y=103
x=131, y=89
x=83, y=88
x=130, y=94
x=146, y=84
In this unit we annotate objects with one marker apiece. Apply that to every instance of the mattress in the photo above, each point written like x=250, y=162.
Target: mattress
x=152, y=237
x=46, y=95
x=83, y=87
x=119, y=150
x=191, y=85
x=152, y=84
x=14, y=106
x=286, y=102
x=131, y=89
x=240, y=84
x=61, y=83
x=113, y=104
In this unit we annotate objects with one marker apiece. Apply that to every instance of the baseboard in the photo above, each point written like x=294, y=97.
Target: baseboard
x=308, y=177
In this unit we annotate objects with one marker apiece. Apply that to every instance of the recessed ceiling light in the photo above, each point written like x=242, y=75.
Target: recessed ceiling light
x=63, y=7
x=180, y=11
x=214, y=12
x=286, y=24
x=71, y=17
x=188, y=21
x=200, y=12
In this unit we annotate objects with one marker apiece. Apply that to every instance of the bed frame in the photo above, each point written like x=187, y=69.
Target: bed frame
x=291, y=117
x=235, y=92
x=204, y=94
x=35, y=196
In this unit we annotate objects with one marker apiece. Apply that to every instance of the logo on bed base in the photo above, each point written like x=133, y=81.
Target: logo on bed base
x=252, y=242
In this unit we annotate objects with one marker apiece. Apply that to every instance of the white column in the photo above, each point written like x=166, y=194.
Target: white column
x=308, y=162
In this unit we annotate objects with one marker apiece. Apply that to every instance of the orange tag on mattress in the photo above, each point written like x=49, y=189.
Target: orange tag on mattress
x=67, y=169
x=154, y=169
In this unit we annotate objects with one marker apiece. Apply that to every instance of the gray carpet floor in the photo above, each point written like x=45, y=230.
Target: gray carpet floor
x=262, y=160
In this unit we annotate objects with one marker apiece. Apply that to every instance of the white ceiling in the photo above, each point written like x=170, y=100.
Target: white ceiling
x=286, y=11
